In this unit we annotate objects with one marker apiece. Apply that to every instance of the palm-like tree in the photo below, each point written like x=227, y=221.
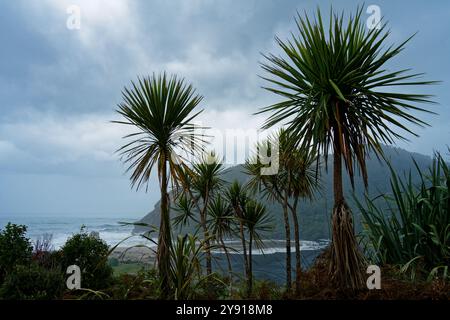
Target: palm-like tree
x=274, y=188
x=257, y=221
x=302, y=182
x=161, y=109
x=221, y=224
x=296, y=178
x=237, y=197
x=206, y=182
x=335, y=97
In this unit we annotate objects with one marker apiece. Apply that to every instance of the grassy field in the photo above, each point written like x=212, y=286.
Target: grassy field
x=129, y=268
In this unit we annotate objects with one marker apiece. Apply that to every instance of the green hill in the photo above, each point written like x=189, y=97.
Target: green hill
x=315, y=215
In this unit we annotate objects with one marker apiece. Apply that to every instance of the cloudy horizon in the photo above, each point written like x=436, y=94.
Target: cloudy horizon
x=60, y=86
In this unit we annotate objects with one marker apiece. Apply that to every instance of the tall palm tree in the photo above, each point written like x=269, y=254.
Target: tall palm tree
x=161, y=108
x=257, y=221
x=333, y=82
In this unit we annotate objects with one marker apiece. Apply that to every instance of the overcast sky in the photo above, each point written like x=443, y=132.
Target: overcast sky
x=59, y=87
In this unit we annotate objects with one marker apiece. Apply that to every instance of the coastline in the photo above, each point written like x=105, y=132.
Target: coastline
x=146, y=254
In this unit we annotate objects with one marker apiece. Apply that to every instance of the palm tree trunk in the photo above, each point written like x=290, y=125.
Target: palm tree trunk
x=206, y=235
x=164, y=237
x=298, y=267
x=239, y=214
x=288, y=243
x=346, y=260
x=250, y=267
x=227, y=255
x=244, y=246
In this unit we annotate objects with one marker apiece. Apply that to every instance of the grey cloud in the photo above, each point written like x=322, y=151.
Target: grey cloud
x=53, y=79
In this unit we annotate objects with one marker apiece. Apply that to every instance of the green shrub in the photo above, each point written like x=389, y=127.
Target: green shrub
x=262, y=290
x=32, y=282
x=15, y=248
x=143, y=285
x=213, y=287
x=266, y=290
x=49, y=259
x=91, y=255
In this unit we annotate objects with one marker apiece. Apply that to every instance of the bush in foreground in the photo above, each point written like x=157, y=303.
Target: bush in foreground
x=32, y=282
x=15, y=248
x=415, y=235
x=91, y=255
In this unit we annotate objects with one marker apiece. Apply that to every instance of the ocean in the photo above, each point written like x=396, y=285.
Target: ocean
x=61, y=228
x=268, y=263
x=113, y=232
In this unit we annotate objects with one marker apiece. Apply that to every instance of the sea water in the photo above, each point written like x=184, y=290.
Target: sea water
x=113, y=231
x=61, y=228
x=268, y=263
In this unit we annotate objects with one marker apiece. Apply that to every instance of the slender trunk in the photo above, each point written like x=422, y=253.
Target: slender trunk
x=244, y=246
x=250, y=267
x=298, y=267
x=206, y=234
x=346, y=260
x=288, y=243
x=164, y=237
x=239, y=214
x=227, y=255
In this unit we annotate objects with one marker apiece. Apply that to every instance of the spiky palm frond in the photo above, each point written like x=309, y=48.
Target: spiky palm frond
x=186, y=209
x=220, y=217
x=237, y=196
x=206, y=176
x=162, y=109
x=257, y=221
x=297, y=169
x=337, y=91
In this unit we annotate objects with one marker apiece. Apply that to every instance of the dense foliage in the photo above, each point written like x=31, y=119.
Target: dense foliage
x=33, y=282
x=414, y=232
x=15, y=248
x=90, y=254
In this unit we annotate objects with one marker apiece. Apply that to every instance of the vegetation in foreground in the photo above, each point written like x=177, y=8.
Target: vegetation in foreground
x=410, y=244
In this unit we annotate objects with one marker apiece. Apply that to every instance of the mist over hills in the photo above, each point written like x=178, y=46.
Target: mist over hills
x=314, y=216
